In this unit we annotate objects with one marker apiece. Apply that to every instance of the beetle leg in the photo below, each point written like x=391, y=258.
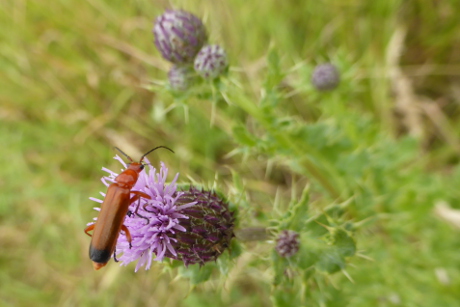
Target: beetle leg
x=88, y=229
x=137, y=197
x=127, y=234
x=115, y=256
x=146, y=209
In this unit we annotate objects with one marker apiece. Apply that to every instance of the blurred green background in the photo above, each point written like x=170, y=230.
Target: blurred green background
x=72, y=86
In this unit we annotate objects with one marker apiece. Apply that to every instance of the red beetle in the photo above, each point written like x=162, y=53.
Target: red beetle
x=110, y=220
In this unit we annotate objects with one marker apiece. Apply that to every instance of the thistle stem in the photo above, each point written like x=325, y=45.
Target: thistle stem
x=252, y=234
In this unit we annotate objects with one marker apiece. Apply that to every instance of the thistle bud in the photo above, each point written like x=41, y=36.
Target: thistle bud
x=209, y=227
x=180, y=77
x=211, y=61
x=325, y=77
x=179, y=35
x=288, y=243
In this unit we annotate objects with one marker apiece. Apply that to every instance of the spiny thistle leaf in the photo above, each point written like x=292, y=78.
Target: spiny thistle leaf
x=307, y=274
x=344, y=243
x=286, y=296
x=298, y=213
x=279, y=268
x=330, y=261
x=196, y=273
x=243, y=137
x=235, y=249
x=275, y=74
x=306, y=257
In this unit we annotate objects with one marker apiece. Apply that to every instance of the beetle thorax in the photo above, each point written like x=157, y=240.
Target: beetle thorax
x=127, y=179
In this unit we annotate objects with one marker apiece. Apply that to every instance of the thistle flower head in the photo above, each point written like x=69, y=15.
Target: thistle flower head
x=288, y=243
x=180, y=77
x=191, y=226
x=209, y=227
x=179, y=35
x=325, y=77
x=211, y=61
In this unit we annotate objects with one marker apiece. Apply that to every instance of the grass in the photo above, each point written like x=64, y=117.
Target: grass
x=72, y=86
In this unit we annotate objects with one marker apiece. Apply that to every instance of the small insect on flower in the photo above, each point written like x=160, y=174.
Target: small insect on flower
x=288, y=243
x=120, y=195
x=325, y=77
x=179, y=35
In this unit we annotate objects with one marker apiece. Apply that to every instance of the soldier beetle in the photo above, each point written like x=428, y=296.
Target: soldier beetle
x=114, y=208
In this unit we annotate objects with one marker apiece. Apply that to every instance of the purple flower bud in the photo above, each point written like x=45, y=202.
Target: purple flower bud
x=179, y=35
x=210, y=231
x=180, y=77
x=211, y=61
x=325, y=77
x=191, y=226
x=288, y=243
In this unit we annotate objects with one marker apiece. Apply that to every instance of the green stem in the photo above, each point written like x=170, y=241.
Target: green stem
x=252, y=234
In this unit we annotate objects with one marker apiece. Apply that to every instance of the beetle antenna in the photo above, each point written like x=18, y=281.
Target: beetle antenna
x=142, y=158
x=129, y=158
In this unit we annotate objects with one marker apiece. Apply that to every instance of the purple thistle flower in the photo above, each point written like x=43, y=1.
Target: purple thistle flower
x=288, y=243
x=179, y=35
x=325, y=77
x=157, y=220
x=211, y=61
x=191, y=226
